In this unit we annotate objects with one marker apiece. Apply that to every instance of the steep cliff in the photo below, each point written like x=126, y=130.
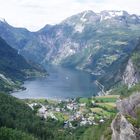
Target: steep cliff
x=122, y=129
x=126, y=125
x=126, y=70
x=131, y=75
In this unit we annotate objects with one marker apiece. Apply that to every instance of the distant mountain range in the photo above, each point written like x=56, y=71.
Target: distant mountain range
x=106, y=44
x=99, y=43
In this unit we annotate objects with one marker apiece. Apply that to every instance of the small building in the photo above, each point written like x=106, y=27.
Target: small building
x=82, y=104
x=57, y=109
x=101, y=121
x=83, y=123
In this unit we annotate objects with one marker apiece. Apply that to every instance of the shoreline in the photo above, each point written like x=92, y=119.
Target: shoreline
x=70, y=99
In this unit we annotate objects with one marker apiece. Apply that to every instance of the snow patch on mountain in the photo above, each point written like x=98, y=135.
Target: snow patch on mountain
x=115, y=13
x=79, y=28
x=105, y=15
x=2, y=20
x=83, y=19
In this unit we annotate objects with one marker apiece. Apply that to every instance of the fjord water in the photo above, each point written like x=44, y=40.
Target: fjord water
x=60, y=84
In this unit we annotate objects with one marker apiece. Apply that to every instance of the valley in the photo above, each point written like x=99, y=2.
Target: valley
x=76, y=80
x=61, y=83
x=93, y=42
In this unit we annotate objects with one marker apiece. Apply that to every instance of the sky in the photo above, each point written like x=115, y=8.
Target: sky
x=34, y=14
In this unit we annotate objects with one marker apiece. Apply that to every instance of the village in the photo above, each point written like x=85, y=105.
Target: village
x=76, y=112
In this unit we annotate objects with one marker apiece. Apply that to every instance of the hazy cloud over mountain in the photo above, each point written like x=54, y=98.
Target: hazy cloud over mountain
x=33, y=14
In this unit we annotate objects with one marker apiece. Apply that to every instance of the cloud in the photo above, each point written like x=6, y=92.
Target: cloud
x=34, y=14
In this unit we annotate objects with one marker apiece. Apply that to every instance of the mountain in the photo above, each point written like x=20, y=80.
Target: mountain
x=131, y=75
x=126, y=124
x=23, y=40
x=87, y=39
x=106, y=44
x=14, y=68
x=95, y=42
x=125, y=71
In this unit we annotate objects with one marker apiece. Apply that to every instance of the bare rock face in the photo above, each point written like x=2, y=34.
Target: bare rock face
x=122, y=129
x=130, y=77
x=129, y=105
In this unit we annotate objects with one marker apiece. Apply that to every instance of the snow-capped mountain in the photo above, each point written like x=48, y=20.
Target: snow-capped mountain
x=89, y=17
x=2, y=20
x=95, y=42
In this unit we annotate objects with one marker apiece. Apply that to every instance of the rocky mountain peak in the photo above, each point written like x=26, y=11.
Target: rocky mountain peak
x=82, y=18
x=2, y=20
x=114, y=13
x=89, y=17
x=110, y=14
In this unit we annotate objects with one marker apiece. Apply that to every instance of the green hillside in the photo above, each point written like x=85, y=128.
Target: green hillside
x=14, y=68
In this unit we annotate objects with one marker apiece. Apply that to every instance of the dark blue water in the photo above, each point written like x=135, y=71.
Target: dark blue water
x=61, y=83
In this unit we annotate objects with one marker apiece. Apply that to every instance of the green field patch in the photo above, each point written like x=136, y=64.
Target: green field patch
x=42, y=101
x=106, y=98
x=35, y=101
x=84, y=100
x=109, y=106
x=59, y=116
x=97, y=110
x=66, y=117
x=101, y=112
